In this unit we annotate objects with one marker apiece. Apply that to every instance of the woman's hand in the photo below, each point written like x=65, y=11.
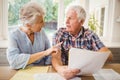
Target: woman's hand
x=66, y=72
x=54, y=49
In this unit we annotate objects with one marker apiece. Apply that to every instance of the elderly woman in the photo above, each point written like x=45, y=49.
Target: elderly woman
x=29, y=43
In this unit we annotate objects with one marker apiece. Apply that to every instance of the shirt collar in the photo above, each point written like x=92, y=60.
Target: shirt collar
x=80, y=33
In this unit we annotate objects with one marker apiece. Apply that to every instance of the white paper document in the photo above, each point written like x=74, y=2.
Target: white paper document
x=48, y=76
x=106, y=74
x=51, y=76
x=87, y=61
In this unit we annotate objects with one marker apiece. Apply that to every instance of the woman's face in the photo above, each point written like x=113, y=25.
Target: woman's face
x=37, y=25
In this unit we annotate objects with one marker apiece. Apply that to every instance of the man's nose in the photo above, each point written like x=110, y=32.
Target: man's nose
x=67, y=20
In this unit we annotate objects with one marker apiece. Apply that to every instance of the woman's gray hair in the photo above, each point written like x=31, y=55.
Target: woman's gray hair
x=30, y=11
x=81, y=13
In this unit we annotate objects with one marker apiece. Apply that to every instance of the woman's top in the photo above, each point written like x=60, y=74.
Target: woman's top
x=20, y=48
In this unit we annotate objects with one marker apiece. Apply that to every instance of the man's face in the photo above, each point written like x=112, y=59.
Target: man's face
x=72, y=22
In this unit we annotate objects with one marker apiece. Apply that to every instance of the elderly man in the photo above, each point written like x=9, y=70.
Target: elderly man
x=75, y=35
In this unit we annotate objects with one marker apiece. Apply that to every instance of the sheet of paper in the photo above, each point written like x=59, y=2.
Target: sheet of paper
x=48, y=76
x=51, y=76
x=87, y=61
x=106, y=74
x=27, y=73
x=76, y=78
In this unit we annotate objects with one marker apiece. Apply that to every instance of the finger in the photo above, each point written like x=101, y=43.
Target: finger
x=55, y=50
x=76, y=71
x=69, y=75
x=65, y=67
x=59, y=44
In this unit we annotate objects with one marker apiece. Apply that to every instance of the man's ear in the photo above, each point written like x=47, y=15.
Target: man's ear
x=81, y=22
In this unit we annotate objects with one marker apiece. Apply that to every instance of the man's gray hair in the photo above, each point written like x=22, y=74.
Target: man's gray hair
x=81, y=13
x=30, y=11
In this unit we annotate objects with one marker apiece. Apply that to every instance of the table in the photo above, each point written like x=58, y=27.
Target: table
x=6, y=72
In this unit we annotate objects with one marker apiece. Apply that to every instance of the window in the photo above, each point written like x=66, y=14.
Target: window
x=13, y=12
x=0, y=19
x=51, y=7
x=107, y=10
x=97, y=21
x=9, y=15
x=102, y=21
x=51, y=18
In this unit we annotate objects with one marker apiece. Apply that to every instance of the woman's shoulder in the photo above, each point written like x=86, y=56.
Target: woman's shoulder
x=15, y=32
x=42, y=31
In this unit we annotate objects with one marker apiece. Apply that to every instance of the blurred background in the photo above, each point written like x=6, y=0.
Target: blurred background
x=103, y=17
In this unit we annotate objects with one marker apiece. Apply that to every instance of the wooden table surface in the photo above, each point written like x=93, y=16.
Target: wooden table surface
x=6, y=72
x=115, y=67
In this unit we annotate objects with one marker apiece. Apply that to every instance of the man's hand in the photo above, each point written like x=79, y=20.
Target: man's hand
x=67, y=73
x=54, y=49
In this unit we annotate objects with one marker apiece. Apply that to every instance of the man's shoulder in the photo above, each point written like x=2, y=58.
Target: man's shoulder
x=60, y=32
x=88, y=32
x=62, y=29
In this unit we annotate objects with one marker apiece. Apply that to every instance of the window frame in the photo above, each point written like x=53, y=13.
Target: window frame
x=4, y=20
x=3, y=23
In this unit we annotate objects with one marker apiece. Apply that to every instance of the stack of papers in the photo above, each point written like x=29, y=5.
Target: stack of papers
x=106, y=74
x=51, y=76
x=87, y=61
x=48, y=76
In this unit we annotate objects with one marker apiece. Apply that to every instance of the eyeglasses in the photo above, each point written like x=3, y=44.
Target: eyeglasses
x=26, y=17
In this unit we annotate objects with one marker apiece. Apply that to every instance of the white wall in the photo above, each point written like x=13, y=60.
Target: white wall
x=60, y=13
x=115, y=37
x=95, y=6
x=0, y=20
x=96, y=3
x=3, y=22
x=85, y=5
x=111, y=27
x=3, y=19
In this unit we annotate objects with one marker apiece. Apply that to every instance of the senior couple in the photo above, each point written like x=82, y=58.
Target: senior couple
x=29, y=45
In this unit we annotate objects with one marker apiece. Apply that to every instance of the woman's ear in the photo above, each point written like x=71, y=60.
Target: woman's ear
x=41, y=20
x=28, y=25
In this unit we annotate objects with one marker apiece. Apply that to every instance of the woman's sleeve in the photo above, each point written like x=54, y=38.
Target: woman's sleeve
x=47, y=45
x=16, y=59
x=47, y=42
